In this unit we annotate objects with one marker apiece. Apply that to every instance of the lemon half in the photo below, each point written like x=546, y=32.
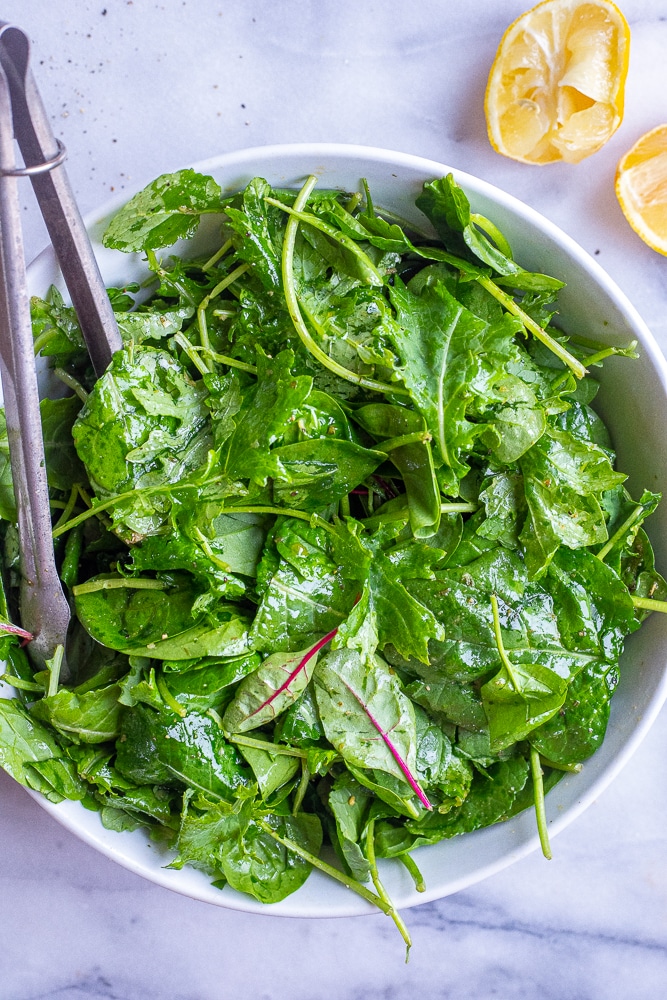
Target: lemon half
x=556, y=87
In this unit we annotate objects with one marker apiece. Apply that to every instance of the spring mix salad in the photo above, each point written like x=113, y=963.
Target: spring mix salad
x=350, y=560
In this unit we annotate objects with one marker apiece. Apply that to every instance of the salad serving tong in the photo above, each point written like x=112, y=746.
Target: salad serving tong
x=44, y=609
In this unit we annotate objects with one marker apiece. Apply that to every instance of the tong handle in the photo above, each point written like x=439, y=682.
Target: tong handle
x=44, y=608
x=70, y=240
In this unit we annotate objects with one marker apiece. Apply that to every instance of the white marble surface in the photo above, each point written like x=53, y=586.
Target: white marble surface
x=137, y=88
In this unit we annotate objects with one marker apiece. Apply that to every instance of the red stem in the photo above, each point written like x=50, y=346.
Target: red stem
x=309, y=655
x=409, y=777
x=16, y=630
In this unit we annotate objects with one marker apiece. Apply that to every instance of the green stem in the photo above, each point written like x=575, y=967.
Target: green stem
x=206, y=546
x=511, y=306
x=380, y=889
x=501, y=647
x=71, y=383
x=69, y=507
x=192, y=353
x=416, y=437
x=224, y=359
x=595, y=359
x=403, y=513
x=312, y=519
x=540, y=812
x=54, y=666
x=168, y=697
x=20, y=684
x=353, y=203
x=228, y=280
x=129, y=583
x=302, y=789
x=217, y=256
x=492, y=230
x=344, y=505
x=416, y=875
x=649, y=604
x=627, y=524
x=99, y=508
x=557, y=766
x=334, y=234
x=294, y=309
x=275, y=749
x=339, y=876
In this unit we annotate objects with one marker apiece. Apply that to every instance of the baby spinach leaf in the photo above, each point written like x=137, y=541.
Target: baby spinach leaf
x=271, y=770
x=516, y=424
x=158, y=621
x=438, y=341
x=514, y=712
x=207, y=683
x=320, y=471
x=578, y=728
x=89, y=716
x=305, y=594
x=228, y=841
x=300, y=725
x=505, y=506
x=167, y=749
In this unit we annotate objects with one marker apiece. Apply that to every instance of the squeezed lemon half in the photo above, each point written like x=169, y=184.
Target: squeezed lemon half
x=556, y=86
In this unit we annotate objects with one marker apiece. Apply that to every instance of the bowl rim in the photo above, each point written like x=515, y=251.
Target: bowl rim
x=68, y=814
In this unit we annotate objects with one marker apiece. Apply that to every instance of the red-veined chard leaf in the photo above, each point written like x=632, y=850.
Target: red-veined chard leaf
x=272, y=688
x=366, y=716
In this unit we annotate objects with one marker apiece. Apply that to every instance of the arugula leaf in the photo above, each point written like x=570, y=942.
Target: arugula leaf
x=167, y=210
x=144, y=424
x=268, y=410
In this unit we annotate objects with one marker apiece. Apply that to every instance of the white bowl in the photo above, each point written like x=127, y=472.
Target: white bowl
x=590, y=304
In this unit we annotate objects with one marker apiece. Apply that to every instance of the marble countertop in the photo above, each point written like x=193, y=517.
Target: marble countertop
x=139, y=87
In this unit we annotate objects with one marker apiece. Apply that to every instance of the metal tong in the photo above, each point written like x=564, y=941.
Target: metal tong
x=44, y=608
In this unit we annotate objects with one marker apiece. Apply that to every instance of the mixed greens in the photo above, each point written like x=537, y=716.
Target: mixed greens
x=349, y=556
